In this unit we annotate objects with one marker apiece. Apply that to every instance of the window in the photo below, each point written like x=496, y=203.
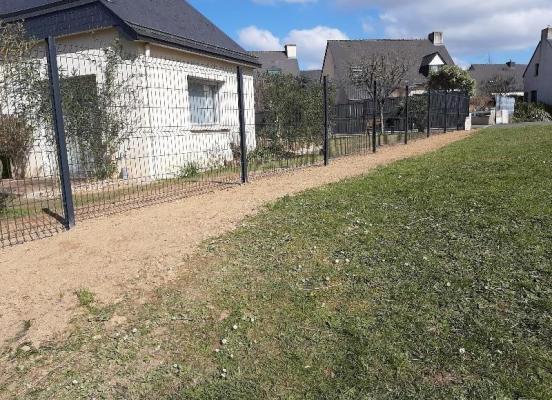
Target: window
x=534, y=96
x=537, y=68
x=274, y=71
x=435, y=68
x=203, y=101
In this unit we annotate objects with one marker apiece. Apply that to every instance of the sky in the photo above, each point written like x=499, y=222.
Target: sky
x=475, y=31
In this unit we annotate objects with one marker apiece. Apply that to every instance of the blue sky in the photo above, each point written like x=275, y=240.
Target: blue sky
x=475, y=31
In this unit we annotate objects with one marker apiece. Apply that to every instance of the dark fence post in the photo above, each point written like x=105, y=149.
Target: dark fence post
x=446, y=111
x=458, y=104
x=428, y=112
x=59, y=128
x=326, y=127
x=243, y=135
x=374, y=136
x=407, y=116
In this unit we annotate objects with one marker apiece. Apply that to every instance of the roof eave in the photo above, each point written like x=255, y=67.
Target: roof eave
x=148, y=35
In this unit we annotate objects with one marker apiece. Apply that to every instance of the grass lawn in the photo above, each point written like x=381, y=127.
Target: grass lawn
x=427, y=279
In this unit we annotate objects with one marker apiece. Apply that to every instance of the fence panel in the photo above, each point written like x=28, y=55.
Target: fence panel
x=289, y=125
x=144, y=129
x=30, y=197
x=145, y=125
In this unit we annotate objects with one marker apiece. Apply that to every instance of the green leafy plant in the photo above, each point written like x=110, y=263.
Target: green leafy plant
x=531, y=112
x=452, y=77
x=188, y=171
x=98, y=111
x=85, y=297
x=21, y=94
x=290, y=110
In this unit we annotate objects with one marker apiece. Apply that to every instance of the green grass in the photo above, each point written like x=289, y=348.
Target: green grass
x=427, y=279
x=84, y=297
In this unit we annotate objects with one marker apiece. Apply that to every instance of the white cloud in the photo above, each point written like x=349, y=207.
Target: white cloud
x=311, y=43
x=470, y=26
x=253, y=38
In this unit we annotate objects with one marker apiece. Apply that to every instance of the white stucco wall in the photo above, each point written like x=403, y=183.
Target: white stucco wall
x=542, y=83
x=162, y=139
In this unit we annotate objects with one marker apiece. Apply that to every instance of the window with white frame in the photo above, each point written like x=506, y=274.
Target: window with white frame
x=204, y=101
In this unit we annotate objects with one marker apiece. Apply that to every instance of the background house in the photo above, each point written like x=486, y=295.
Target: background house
x=181, y=67
x=278, y=62
x=421, y=55
x=510, y=72
x=537, y=77
x=314, y=75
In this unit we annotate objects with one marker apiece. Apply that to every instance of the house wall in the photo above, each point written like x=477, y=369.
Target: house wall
x=161, y=138
x=542, y=83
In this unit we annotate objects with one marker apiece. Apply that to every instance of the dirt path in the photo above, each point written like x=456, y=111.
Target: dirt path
x=140, y=249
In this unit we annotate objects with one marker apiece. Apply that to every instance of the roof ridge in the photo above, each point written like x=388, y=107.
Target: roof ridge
x=379, y=40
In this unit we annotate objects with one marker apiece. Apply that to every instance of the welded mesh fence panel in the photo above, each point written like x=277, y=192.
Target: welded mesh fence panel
x=351, y=127
x=289, y=124
x=146, y=128
x=30, y=199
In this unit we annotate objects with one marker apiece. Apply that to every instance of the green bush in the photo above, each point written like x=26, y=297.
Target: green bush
x=190, y=170
x=531, y=112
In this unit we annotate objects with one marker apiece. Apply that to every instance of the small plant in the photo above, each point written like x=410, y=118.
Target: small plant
x=85, y=297
x=190, y=170
x=531, y=112
x=5, y=199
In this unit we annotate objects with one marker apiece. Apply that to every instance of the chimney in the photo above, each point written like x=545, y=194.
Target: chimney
x=436, y=38
x=291, y=51
x=547, y=34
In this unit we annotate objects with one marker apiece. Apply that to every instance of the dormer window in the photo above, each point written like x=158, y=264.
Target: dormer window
x=432, y=63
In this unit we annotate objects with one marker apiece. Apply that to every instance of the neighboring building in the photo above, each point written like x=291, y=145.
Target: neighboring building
x=485, y=73
x=538, y=74
x=278, y=62
x=185, y=76
x=312, y=75
x=421, y=55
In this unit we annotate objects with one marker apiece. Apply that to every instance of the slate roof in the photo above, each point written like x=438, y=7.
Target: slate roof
x=348, y=52
x=482, y=73
x=171, y=22
x=312, y=76
x=277, y=60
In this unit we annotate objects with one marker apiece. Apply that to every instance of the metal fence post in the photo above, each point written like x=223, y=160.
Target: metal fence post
x=374, y=136
x=428, y=112
x=326, y=127
x=407, y=119
x=458, y=102
x=59, y=128
x=446, y=111
x=243, y=135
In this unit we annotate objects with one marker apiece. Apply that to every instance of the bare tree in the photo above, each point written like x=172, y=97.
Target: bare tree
x=380, y=75
x=499, y=85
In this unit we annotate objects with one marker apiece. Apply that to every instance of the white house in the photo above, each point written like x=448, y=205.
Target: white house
x=538, y=75
x=181, y=69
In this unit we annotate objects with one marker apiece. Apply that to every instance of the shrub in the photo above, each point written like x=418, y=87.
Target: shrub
x=190, y=170
x=531, y=112
x=16, y=140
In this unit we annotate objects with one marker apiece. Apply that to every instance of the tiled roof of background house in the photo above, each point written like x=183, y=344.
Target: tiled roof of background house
x=277, y=61
x=171, y=22
x=312, y=76
x=347, y=53
x=482, y=73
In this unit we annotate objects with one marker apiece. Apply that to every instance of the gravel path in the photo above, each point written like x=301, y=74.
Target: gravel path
x=141, y=249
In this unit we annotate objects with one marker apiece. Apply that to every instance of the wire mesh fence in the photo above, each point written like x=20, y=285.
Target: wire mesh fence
x=142, y=127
